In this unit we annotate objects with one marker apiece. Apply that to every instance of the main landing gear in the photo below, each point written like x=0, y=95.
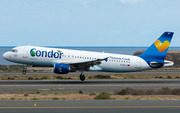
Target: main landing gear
x=24, y=70
x=82, y=77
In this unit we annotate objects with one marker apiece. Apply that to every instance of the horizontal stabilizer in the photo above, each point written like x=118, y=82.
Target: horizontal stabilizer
x=166, y=63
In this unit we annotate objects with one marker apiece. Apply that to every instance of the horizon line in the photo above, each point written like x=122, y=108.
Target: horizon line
x=89, y=46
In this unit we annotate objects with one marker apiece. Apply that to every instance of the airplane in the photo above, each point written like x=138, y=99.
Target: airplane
x=66, y=60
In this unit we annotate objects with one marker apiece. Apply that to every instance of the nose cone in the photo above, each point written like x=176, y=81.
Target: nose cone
x=5, y=56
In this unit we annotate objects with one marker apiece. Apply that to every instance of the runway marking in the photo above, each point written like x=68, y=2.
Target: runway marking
x=43, y=89
x=50, y=89
x=80, y=107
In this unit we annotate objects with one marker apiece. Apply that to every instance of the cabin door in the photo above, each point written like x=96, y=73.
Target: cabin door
x=25, y=52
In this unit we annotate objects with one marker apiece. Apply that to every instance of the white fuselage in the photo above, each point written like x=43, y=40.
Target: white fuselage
x=49, y=56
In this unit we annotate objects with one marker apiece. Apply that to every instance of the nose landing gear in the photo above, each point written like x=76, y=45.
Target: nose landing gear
x=24, y=70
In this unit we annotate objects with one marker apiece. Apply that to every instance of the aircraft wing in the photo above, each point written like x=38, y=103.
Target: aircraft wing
x=86, y=64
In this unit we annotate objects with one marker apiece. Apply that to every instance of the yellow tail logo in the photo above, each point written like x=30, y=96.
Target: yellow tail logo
x=161, y=46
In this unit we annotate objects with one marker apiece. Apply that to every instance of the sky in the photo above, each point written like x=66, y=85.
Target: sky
x=88, y=22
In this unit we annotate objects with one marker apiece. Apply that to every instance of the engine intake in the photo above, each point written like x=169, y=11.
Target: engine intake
x=61, y=68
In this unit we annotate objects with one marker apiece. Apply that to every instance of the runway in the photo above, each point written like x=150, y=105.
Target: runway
x=90, y=85
x=95, y=73
x=89, y=106
x=109, y=85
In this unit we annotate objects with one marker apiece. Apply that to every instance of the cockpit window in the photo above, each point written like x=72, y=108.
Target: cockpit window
x=14, y=50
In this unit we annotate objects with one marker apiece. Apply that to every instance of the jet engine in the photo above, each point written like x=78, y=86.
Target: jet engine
x=61, y=68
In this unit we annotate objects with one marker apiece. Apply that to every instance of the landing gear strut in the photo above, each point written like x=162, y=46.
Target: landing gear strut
x=82, y=77
x=24, y=70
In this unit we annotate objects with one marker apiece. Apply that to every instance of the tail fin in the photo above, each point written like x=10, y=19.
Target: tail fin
x=158, y=50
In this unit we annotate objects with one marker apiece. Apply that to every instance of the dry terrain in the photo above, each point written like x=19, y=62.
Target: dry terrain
x=77, y=96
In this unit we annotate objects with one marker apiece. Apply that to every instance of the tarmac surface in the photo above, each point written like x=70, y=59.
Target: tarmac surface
x=89, y=106
x=90, y=85
x=95, y=73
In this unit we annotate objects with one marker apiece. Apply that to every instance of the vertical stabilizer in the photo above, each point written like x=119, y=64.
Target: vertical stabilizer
x=158, y=50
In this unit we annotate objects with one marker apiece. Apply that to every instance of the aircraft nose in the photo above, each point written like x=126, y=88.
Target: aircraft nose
x=5, y=55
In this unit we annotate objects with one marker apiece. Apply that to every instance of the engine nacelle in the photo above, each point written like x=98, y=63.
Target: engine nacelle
x=61, y=68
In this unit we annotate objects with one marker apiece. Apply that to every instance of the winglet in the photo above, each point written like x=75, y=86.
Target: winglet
x=106, y=59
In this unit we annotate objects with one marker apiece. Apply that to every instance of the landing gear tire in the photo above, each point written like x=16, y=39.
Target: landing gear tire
x=24, y=72
x=82, y=77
